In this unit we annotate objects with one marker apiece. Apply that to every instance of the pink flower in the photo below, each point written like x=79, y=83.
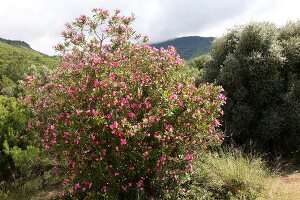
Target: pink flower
x=146, y=153
x=73, y=165
x=96, y=83
x=140, y=183
x=222, y=112
x=64, y=64
x=68, y=115
x=114, y=93
x=169, y=128
x=77, y=186
x=188, y=157
x=104, y=152
x=133, y=106
x=54, y=141
x=147, y=105
x=28, y=98
x=173, y=96
x=123, y=101
x=66, y=134
x=217, y=123
x=123, y=141
x=180, y=103
x=124, y=120
x=111, y=76
x=117, y=173
x=131, y=115
x=163, y=158
x=103, y=84
x=108, y=116
x=179, y=87
x=105, y=189
x=153, y=118
x=95, y=112
x=78, y=112
x=77, y=141
x=114, y=125
x=52, y=127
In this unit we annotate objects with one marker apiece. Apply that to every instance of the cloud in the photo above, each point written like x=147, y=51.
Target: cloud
x=40, y=22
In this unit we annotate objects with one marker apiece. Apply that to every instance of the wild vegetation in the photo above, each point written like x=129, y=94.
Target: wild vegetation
x=115, y=118
x=258, y=66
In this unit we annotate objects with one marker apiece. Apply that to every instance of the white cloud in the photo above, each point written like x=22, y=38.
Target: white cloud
x=40, y=22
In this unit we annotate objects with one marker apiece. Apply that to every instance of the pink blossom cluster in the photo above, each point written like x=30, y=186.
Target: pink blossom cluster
x=119, y=111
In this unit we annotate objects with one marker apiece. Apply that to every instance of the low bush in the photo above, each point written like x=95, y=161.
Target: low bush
x=225, y=175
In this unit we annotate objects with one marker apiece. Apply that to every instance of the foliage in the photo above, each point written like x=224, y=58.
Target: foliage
x=121, y=113
x=13, y=122
x=258, y=67
x=225, y=175
x=15, y=62
x=15, y=43
x=30, y=163
x=199, y=64
x=188, y=47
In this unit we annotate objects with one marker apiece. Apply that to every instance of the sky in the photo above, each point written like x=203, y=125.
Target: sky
x=40, y=22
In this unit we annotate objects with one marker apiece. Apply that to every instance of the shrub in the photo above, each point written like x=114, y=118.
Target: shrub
x=226, y=175
x=258, y=67
x=29, y=163
x=13, y=122
x=120, y=113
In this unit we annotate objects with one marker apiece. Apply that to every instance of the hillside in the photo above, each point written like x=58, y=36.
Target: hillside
x=16, y=57
x=188, y=47
x=15, y=42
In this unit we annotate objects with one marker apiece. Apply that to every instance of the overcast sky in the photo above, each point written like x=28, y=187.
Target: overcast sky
x=40, y=22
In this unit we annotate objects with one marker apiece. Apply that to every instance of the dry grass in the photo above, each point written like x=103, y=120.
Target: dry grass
x=285, y=187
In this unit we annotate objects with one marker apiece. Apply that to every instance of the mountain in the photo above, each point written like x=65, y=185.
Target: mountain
x=15, y=43
x=188, y=47
x=17, y=59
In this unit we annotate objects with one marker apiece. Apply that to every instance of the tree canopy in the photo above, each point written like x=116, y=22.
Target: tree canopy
x=258, y=66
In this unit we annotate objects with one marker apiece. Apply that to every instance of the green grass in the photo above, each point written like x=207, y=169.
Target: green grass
x=227, y=175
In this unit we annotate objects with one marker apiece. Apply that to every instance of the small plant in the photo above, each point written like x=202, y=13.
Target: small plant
x=226, y=175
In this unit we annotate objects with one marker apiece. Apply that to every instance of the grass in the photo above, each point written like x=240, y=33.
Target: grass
x=225, y=175
x=232, y=175
x=284, y=187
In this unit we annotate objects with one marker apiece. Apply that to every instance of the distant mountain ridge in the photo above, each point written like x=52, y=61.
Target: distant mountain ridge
x=15, y=43
x=16, y=57
x=188, y=47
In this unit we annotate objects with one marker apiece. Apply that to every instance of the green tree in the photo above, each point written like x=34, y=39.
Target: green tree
x=13, y=122
x=257, y=66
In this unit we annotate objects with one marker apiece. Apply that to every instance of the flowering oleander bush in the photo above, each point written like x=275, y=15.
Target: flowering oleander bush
x=121, y=114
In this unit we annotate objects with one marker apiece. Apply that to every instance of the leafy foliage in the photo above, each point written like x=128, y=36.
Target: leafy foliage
x=15, y=43
x=17, y=60
x=228, y=174
x=258, y=66
x=13, y=122
x=121, y=113
x=15, y=65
